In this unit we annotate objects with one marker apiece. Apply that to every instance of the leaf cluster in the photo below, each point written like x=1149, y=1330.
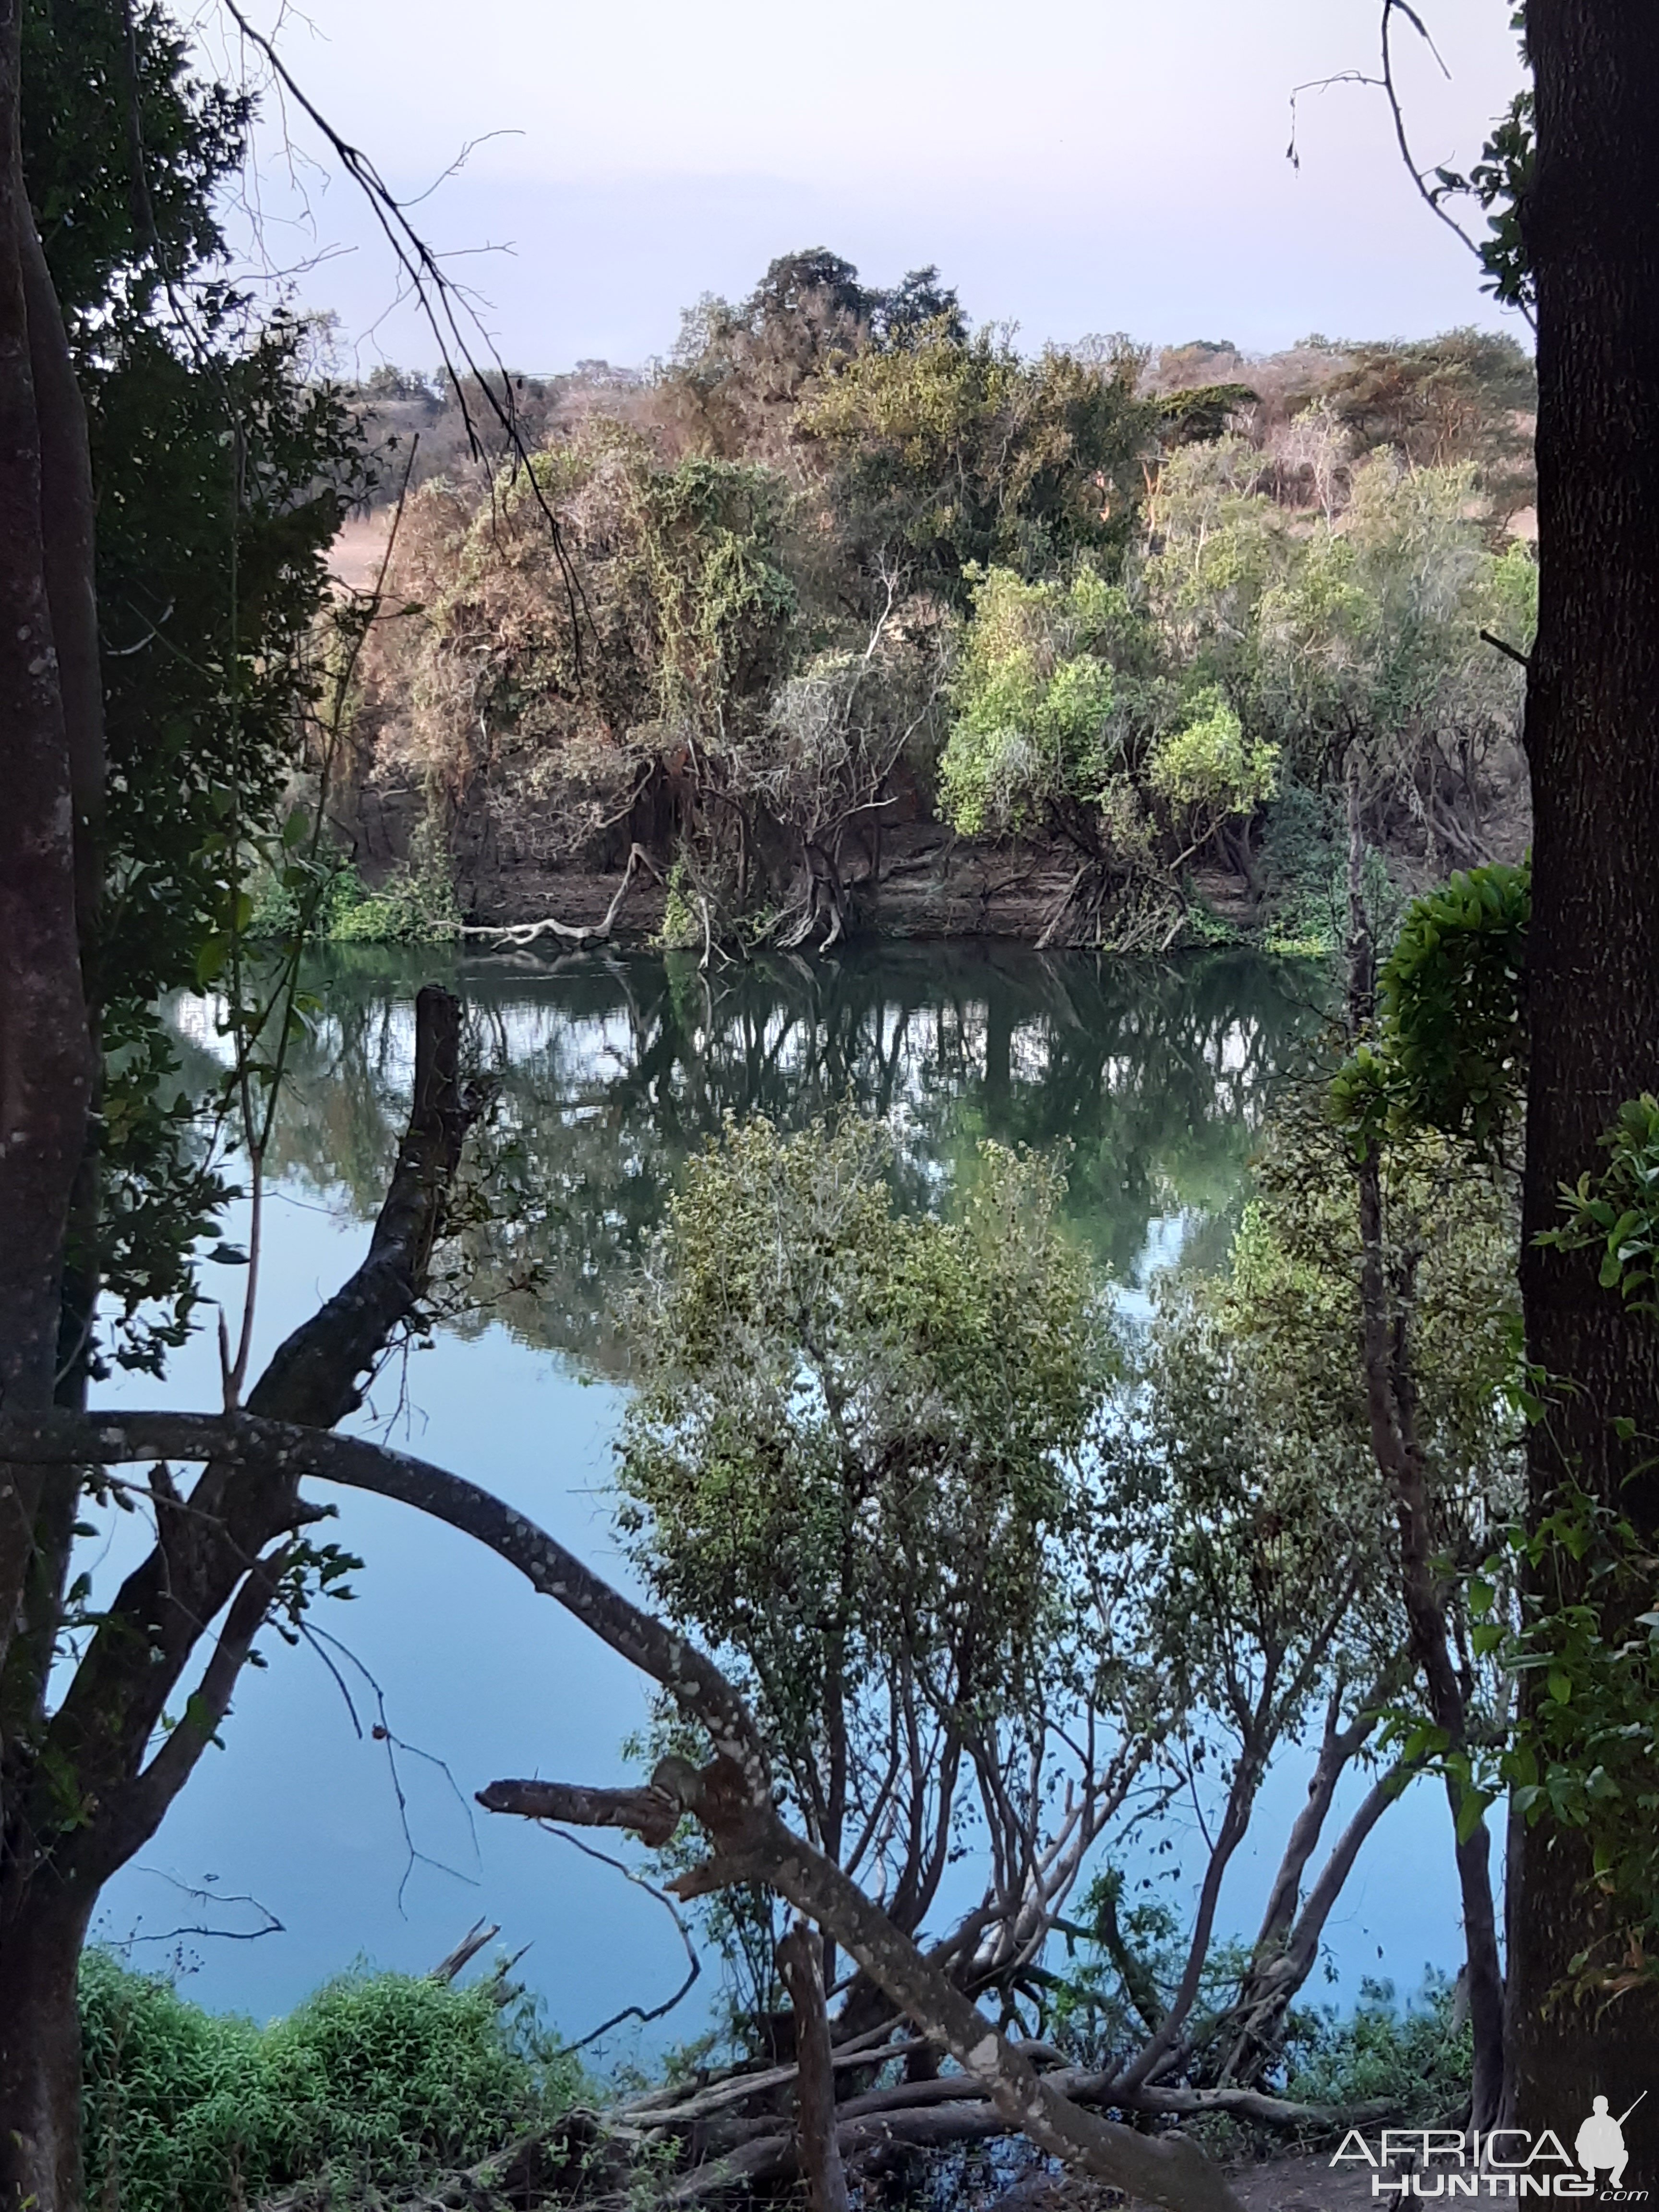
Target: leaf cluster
x=222, y=471
x=1450, y=1053
x=1584, y=1647
x=961, y=453
x=1617, y=1211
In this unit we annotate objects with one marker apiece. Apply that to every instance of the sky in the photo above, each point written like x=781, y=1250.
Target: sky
x=1073, y=167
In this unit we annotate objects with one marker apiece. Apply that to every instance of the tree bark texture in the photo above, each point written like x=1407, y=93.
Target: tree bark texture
x=48, y=704
x=818, y=2152
x=1591, y=223
x=45, y=1054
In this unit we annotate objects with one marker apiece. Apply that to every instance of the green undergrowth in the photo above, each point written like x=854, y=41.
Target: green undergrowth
x=372, y=2081
x=1420, y=2056
x=414, y=904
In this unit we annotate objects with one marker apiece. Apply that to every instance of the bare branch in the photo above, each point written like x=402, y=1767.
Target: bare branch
x=731, y=1798
x=518, y=934
x=647, y=1813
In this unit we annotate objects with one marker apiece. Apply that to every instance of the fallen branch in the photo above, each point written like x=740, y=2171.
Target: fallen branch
x=518, y=934
x=657, y=2109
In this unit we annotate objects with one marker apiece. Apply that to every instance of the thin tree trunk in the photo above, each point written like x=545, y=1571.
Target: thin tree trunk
x=1591, y=218
x=818, y=2153
x=46, y=1055
x=1287, y=1944
x=1385, y=1321
x=1393, y=1443
x=51, y=751
x=100, y=1787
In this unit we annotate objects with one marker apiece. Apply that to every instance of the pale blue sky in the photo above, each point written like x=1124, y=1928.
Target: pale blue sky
x=1074, y=166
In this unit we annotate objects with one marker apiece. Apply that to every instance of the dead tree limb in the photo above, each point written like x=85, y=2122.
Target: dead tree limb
x=518, y=934
x=455, y=1962
x=645, y=1812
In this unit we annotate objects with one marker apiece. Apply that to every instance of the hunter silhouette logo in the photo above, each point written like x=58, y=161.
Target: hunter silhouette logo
x=1601, y=2143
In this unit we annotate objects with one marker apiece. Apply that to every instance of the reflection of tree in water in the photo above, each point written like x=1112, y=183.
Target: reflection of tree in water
x=610, y=1068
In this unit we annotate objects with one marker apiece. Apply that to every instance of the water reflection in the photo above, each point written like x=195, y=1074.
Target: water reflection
x=609, y=1069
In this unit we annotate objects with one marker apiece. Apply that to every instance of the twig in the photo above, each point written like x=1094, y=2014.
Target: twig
x=440, y=302
x=633, y=2011
x=1510, y=652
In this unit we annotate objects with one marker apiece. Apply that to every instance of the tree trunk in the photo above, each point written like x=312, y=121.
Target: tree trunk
x=46, y=1051
x=1386, y=1315
x=40, y=2057
x=1591, y=221
x=816, y=2149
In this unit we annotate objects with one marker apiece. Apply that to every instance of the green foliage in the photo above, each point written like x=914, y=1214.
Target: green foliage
x=374, y=2080
x=1416, y=2059
x=861, y=486
x=1437, y=401
x=1120, y=1963
x=1584, y=1644
x=853, y=1450
x=1252, y=1517
x=1203, y=410
x=1303, y=871
x=1371, y=632
x=571, y=709
x=222, y=470
x=1038, y=722
x=414, y=905
x=1618, y=1210
x=1499, y=182
x=1451, y=1051
x=949, y=454
x=733, y=364
x=723, y=607
x=1205, y=762
x=78, y=83
x=1292, y=1308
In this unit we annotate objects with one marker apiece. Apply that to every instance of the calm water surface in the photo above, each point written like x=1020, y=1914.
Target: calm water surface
x=609, y=1069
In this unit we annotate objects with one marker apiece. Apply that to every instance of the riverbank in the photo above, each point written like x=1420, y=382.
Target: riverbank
x=922, y=881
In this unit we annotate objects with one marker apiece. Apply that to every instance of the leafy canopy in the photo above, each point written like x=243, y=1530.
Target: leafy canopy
x=855, y=1443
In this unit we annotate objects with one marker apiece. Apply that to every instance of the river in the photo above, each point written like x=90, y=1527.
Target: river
x=609, y=1067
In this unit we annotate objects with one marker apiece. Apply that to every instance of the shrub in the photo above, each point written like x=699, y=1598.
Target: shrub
x=376, y=2077
x=1420, y=2058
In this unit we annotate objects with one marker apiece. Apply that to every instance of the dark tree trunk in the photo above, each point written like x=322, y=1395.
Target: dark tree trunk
x=1592, y=228
x=40, y=2056
x=45, y=1057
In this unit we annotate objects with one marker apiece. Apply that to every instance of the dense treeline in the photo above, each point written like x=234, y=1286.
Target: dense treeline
x=854, y=578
